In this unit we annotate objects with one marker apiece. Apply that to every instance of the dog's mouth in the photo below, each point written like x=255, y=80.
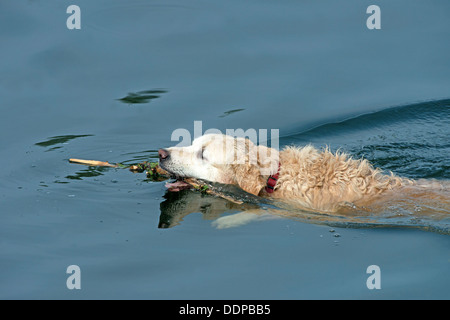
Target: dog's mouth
x=177, y=185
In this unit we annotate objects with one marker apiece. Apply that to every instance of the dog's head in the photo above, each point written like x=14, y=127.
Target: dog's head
x=224, y=159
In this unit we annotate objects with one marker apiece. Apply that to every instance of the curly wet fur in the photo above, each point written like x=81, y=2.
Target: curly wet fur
x=319, y=180
x=323, y=180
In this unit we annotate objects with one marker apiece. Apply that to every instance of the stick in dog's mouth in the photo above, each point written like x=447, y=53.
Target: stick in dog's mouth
x=177, y=185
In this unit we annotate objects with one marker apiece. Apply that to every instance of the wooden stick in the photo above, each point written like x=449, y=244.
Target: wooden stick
x=209, y=190
x=93, y=163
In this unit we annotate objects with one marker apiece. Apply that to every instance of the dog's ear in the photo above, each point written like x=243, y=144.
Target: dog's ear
x=249, y=178
x=253, y=167
x=268, y=160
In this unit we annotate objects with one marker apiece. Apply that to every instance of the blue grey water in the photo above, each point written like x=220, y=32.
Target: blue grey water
x=116, y=89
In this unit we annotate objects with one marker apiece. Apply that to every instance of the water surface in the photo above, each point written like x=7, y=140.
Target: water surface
x=138, y=70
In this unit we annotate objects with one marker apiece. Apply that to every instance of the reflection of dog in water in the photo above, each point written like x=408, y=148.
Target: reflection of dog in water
x=227, y=214
x=179, y=204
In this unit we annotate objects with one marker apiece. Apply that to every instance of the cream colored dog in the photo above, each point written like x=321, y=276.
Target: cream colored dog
x=315, y=180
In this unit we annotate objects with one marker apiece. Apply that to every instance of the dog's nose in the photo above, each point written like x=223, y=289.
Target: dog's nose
x=163, y=154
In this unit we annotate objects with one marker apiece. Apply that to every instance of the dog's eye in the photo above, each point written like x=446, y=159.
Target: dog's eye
x=201, y=154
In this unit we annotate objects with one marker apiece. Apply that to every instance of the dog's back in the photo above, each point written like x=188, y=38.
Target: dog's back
x=325, y=181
